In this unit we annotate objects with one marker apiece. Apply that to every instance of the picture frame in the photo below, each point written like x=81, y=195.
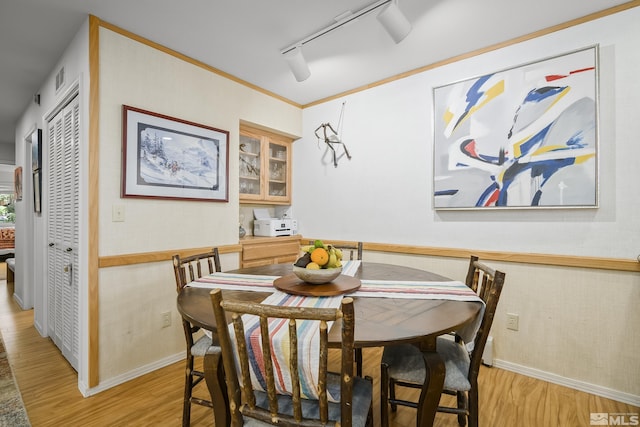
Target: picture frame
x=169, y=158
x=523, y=137
x=17, y=183
x=36, y=150
x=37, y=191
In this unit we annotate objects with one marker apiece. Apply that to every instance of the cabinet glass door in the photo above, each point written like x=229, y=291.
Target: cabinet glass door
x=250, y=165
x=265, y=167
x=278, y=167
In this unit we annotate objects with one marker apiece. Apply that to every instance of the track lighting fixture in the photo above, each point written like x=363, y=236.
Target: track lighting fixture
x=297, y=63
x=391, y=18
x=394, y=21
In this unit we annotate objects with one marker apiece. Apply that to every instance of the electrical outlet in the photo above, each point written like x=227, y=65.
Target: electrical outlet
x=512, y=321
x=166, y=319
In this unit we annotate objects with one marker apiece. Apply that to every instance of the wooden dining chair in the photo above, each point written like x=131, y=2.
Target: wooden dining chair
x=259, y=408
x=403, y=365
x=355, y=253
x=187, y=270
x=354, y=250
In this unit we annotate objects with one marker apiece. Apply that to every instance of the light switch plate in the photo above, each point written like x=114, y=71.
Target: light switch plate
x=117, y=213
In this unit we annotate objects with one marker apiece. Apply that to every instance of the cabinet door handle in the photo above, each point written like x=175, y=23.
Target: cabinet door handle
x=51, y=245
x=69, y=249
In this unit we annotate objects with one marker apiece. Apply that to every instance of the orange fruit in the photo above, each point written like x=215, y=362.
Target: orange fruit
x=320, y=256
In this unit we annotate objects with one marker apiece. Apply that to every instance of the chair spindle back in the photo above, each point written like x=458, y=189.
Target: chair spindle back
x=248, y=407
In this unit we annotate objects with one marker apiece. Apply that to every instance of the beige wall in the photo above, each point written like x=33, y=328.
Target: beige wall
x=576, y=326
x=131, y=299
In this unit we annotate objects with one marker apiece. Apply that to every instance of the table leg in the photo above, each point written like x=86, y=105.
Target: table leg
x=432, y=387
x=214, y=377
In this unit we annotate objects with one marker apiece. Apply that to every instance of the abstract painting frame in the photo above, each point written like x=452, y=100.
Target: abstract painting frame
x=36, y=150
x=523, y=137
x=169, y=158
x=36, y=167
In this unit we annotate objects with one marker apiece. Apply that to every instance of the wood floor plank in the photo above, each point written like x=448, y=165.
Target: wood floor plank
x=50, y=391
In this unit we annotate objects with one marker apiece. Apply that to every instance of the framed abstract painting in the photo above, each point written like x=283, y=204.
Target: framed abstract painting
x=524, y=137
x=169, y=158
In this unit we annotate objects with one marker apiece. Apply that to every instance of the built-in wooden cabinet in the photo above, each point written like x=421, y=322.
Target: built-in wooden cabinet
x=265, y=167
x=258, y=251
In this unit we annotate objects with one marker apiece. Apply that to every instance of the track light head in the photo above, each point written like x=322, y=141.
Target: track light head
x=394, y=21
x=297, y=63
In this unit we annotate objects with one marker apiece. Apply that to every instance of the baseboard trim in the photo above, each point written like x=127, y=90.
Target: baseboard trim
x=128, y=376
x=19, y=301
x=597, y=390
x=39, y=328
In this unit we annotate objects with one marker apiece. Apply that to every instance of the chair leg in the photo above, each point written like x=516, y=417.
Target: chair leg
x=473, y=406
x=384, y=395
x=215, y=381
x=392, y=394
x=463, y=405
x=369, y=422
x=358, y=358
x=188, y=387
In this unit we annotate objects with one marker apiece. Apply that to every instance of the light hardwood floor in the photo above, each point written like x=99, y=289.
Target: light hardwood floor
x=50, y=392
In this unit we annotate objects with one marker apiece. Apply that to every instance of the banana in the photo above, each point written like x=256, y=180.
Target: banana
x=333, y=260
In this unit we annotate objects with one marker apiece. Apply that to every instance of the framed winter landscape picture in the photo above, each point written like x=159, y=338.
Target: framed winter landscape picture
x=169, y=158
x=524, y=137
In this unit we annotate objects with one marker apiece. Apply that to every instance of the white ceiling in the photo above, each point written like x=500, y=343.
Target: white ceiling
x=244, y=38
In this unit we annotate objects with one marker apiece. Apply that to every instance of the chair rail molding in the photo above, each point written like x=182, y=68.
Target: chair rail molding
x=597, y=263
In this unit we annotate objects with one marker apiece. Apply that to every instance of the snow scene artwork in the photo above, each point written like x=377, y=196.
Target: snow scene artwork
x=165, y=157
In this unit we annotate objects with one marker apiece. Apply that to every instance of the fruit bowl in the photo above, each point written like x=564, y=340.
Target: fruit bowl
x=317, y=277
x=319, y=263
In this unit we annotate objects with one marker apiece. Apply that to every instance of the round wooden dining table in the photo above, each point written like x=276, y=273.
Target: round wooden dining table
x=379, y=322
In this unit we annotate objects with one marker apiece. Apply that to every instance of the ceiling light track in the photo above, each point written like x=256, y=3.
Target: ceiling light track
x=391, y=18
x=338, y=24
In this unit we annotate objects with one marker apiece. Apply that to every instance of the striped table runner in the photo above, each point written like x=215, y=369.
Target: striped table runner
x=245, y=282
x=253, y=282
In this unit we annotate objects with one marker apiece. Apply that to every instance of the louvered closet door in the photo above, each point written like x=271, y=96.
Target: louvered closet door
x=63, y=233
